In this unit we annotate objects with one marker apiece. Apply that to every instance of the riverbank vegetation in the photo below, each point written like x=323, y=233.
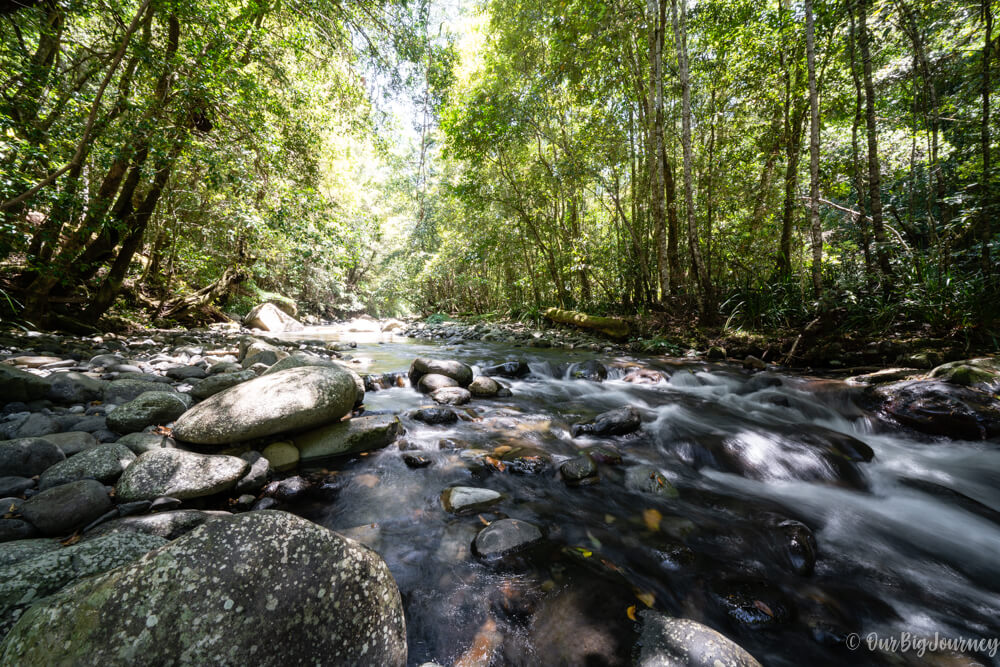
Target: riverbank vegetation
x=741, y=165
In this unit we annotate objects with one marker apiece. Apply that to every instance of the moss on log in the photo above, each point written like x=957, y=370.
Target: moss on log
x=609, y=326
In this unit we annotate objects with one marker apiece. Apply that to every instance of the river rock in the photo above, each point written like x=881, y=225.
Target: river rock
x=647, y=479
x=186, y=373
x=35, y=426
x=281, y=455
x=268, y=317
x=508, y=369
x=18, y=385
x=259, y=352
x=256, y=477
x=983, y=373
x=298, y=360
x=620, y=421
x=294, y=593
x=74, y=387
x=588, y=370
x=451, y=396
x=484, y=387
x=360, y=434
x=28, y=457
x=432, y=382
x=941, y=408
x=105, y=463
x=14, y=486
x=179, y=474
x=140, y=443
x=62, y=509
x=293, y=399
x=465, y=499
x=435, y=416
x=72, y=442
x=579, y=471
x=123, y=391
x=213, y=384
x=456, y=370
x=15, y=552
x=679, y=642
x=504, y=537
x=150, y=408
x=25, y=582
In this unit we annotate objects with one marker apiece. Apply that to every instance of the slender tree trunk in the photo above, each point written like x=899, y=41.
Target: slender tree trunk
x=858, y=172
x=673, y=231
x=986, y=184
x=874, y=174
x=814, y=223
x=656, y=11
x=679, y=19
x=793, y=151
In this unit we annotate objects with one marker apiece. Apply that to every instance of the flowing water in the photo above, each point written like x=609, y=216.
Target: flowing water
x=907, y=542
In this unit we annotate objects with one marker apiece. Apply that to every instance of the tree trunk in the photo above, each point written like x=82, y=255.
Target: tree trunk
x=986, y=185
x=679, y=19
x=874, y=175
x=656, y=15
x=858, y=172
x=814, y=223
x=793, y=150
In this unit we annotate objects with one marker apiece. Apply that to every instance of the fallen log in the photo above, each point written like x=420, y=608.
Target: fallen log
x=609, y=326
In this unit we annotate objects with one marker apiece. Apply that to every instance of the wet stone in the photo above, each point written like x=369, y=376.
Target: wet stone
x=451, y=396
x=680, y=642
x=647, y=479
x=467, y=499
x=620, y=421
x=435, y=416
x=509, y=369
x=414, y=460
x=579, y=471
x=504, y=537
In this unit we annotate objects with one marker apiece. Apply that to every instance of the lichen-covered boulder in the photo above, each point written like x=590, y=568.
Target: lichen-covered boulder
x=178, y=474
x=62, y=509
x=26, y=457
x=293, y=399
x=27, y=581
x=105, y=463
x=291, y=593
x=150, y=408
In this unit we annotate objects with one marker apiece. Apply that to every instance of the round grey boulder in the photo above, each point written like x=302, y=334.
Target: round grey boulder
x=62, y=509
x=123, y=391
x=433, y=381
x=451, y=396
x=148, y=409
x=105, y=463
x=680, y=642
x=72, y=442
x=213, y=384
x=297, y=398
x=292, y=593
x=484, y=387
x=456, y=370
x=75, y=387
x=463, y=499
x=178, y=474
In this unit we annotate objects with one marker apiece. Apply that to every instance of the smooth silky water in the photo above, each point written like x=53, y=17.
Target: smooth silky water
x=908, y=542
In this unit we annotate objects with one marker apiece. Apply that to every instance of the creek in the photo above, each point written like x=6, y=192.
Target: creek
x=780, y=534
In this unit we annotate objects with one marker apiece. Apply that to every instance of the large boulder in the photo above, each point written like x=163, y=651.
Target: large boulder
x=982, y=373
x=148, y=409
x=26, y=457
x=361, y=434
x=105, y=463
x=29, y=580
x=178, y=474
x=268, y=317
x=456, y=370
x=18, y=385
x=294, y=399
x=680, y=642
x=292, y=593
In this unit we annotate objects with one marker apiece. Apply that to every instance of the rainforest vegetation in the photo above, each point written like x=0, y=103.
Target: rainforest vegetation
x=735, y=163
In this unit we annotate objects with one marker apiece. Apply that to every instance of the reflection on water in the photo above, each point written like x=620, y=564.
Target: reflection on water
x=906, y=531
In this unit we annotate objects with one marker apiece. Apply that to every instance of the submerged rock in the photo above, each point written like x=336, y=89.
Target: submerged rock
x=588, y=370
x=647, y=479
x=680, y=642
x=293, y=399
x=462, y=499
x=293, y=593
x=579, y=471
x=360, y=434
x=509, y=369
x=179, y=474
x=505, y=537
x=435, y=416
x=620, y=421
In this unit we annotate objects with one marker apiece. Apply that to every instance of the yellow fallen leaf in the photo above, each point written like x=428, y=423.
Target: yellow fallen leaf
x=367, y=480
x=652, y=519
x=630, y=612
x=609, y=518
x=646, y=598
